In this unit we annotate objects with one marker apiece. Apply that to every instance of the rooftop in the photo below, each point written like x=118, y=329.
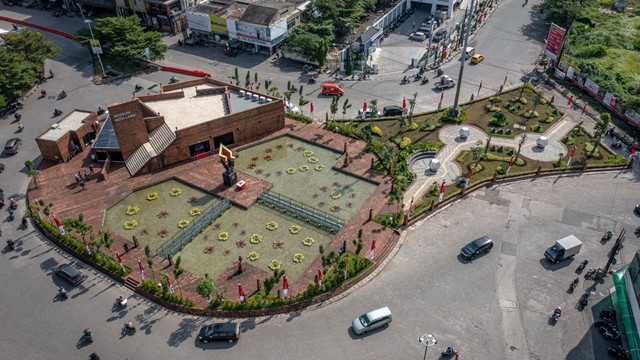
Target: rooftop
x=73, y=121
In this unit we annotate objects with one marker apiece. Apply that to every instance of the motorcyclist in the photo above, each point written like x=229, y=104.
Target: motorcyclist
x=130, y=326
x=88, y=334
x=43, y=93
x=557, y=312
x=62, y=292
x=20, y=126
x=11, y=244
x=173, y=78
x=120, y=299
x=405, y=79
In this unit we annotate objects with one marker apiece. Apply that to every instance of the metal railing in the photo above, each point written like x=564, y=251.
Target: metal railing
x=305, y=212
x=179, y=240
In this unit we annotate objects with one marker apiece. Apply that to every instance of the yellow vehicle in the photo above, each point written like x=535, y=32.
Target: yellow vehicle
x=476, y=58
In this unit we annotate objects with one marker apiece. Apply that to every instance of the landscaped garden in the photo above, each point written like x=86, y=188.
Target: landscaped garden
x=265, y=238
x=303, y=171
x=156, y=213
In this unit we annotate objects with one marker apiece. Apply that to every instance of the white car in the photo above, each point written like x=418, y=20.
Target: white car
x=292, y=108
x=369, y=113
x=419, y=36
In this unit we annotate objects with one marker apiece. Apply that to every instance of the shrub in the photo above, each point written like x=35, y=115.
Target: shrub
x=255, y=238
x=495, y=99
x=413, y=126
x=522, y=101
x=253, y=256
x=404, y=142
x=492, y=108
x=569, y=140
x=531, y=114
x=223, y=236
x=299, y=117
x=537, y=128
x=376, y=131
x=427, y=126
x=542, y=101
x=153, y=288
x=547, y=120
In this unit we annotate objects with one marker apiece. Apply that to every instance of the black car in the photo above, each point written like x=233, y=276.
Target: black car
x=12, y=145
x=477, y=246
x=70, y=274
x=219, y=331
x=392, y=110
x=440, y=35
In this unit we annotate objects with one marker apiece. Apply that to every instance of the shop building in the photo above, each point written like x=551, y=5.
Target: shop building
x=264, y=25
x=187, y=121
x=74, y=133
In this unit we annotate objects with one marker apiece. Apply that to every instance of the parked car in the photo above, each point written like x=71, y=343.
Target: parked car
x=418, y=36
x=392, y=110
x=219, y=331
x=480, y=245
x=369, y=113
x=70, y=274
x=292, y=108
x=477, y=58
x=12, y=146
x=425, y=29
x=372, y=320
x=440, y=35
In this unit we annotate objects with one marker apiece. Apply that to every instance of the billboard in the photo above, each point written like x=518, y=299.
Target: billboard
x=218, y=24
x=554, y=41
x=198, y=21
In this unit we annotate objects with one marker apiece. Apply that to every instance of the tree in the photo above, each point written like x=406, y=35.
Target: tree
x=537, y=100
x=247, y=80
x=147, y=252
x=31, y=46
x=207, y=287
x=373, y=105
x=412, y=105
x=477, y=154
x=34, y=174
x=125, y=40
x=16, y=75
x=334, y=107
x=601, y=128
x=320, y=52
x=345, y=106
x=28, y=164
x=236, y=77
x=177, y=271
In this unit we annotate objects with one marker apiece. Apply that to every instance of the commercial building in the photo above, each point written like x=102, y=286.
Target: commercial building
x=626, y=300
x=74, y=133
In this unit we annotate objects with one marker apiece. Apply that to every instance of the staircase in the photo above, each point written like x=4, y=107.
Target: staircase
x=131, y=284
x=159, y=140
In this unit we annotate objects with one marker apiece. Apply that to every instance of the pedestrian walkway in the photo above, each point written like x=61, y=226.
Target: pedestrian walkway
x=454, y=145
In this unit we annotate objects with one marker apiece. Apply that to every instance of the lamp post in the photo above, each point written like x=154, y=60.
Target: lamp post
x=427, y=340
x=455, y=110
x=88, y=22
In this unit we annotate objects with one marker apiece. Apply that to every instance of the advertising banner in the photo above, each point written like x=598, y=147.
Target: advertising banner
x=95, y=46
x=198, y=21
x=218, y=24
x=609, y=100
x=592, y=86
x=554, y=41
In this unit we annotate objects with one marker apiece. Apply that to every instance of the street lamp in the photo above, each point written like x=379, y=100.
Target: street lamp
x=88, y=22
x=427, y=340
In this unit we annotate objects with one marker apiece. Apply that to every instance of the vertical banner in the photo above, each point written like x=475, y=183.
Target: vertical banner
x=554, y=41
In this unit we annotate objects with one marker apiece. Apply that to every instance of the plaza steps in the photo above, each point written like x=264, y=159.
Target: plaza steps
x=131, y=284
x=159, y=140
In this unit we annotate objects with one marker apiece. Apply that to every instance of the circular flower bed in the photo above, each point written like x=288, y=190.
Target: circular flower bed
x=313, y=160
x=297, y=258
x=272, y=225
x=304, y=168
x=308, y=241
x=294, y=229
x=132, y=210
x=223, y=236
x=183, y=224
x=308, y=153
x=319, y=167
x=128, y=225
x=195, y=212
x=255, y=239
x=253, y=256
x=291, y=171
x=176, y=192
x=275, y=265
x=152, y=196
x=335, y=195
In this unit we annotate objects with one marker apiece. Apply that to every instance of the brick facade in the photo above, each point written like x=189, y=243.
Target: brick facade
x=62, y=146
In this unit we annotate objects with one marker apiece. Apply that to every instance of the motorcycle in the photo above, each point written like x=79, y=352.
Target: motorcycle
x=62, y=95
x=589, y=273
x=57, y=112
x=128, y=327
x=293, y=89
x=173, y=79
x=312, y=80
x=100, y=111
x=584, y=299
x=122, y=302
x=617, y=144
x=94, y=356
x=24, y=222
x=619, y=352
x=20, y=127
x=63, y=294
x=637, y=230
x=556, y=315
x=583, y=264
x=439, y=72
x=607, y=236
x=11, y=212
x=608, y=313
x=449, y=351
x=11, y=244
x=417, y=77
x=610, y=334
x=43, y=93
x=574, y=283
x=404, y=80
x=425, y=80
x=87, y=335
x=138, y=87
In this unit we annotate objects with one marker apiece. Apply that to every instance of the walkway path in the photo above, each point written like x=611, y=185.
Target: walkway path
x=454, y=145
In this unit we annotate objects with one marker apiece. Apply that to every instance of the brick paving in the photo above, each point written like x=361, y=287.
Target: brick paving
x=57, y=186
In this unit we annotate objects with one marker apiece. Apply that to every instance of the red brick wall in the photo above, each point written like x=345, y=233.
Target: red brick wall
x=49, y=149
x=129, y=126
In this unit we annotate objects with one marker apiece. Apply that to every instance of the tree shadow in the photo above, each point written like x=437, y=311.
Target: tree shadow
x=185, y=330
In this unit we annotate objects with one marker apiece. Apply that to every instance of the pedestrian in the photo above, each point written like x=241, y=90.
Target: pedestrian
x=269, y=80
x=126, y=247
x=413, y=25
x=78, y=177
x=93, y=157
x=86, y=176
x=91, y=165
x=82, y=185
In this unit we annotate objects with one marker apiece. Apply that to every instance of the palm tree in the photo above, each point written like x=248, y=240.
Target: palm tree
x=345, y=107
x=334, y=107
x=601, y=128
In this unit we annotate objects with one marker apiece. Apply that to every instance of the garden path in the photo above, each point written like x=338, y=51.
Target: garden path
x=454, y=145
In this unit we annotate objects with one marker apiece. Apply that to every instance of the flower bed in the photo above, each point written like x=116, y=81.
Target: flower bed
x=195, y=212
x=275, y=265
x=304, y=167
x=152, y=196
x=255, y=239
x=132, y=210
x=183, y=224
x=308, y=241
x=291, y=171
x=313, y=160
x=335, y=195
x=130, y=224
x=319, y=167
x=297, y=258
x=223, y=236
x=294, y=229
x=176, y=192
x=253, y=256
x=271, y=225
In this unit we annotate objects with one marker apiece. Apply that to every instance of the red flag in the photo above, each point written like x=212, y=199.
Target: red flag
x=59, y=225
x=319, y=277
x=411, y=205
x=285, y=286
x=570, y=100
x=404, y=103
x=372, y=254
x=284, y=100
x=230, y=81
x=466, y=182
x=633, y=149
x=170, y=286
x=364, y=107
x=86, y=246
x=584, y=109
x=119, y=258
x=311, y=106
x=480, y=87
x=513, y=157
x=140, y=265
x=251, y=87
x=441, y=197
x=573, y=151
x=240, y=293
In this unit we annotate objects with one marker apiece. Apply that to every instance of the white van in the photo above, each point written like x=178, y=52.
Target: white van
x=469, y=53
x=372, y=320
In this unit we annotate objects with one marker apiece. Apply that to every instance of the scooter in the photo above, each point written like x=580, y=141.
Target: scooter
x=173, y=79
x=449, y=351
x=130, y=328
x=607, y=236
x=63, y=294
x=11, y=244
x=122, y=302
x=584, y=299
x=583, y=264
x=556, y=315
x=574, y=283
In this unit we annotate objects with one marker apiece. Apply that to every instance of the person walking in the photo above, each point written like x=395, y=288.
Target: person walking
x=91, y=167
x=413, y=25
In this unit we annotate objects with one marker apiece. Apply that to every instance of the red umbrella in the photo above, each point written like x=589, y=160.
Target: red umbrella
x=364, y=107
x=240, y=293
x=404, y=103
x=285, y=286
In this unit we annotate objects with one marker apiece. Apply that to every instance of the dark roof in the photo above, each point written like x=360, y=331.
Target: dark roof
x=263, y=12
x=208, y=8
x=368, y=34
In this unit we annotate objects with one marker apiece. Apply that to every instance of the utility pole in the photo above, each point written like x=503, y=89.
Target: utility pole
x=88, y=22
x=455, y=110
x=614, y=250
